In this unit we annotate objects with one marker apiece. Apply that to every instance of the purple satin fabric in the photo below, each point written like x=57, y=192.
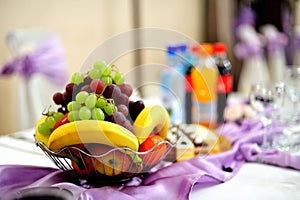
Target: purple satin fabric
x=168, y=181
x=245, y=16
x=47, y=58
x=245, y=50
x=276, y=43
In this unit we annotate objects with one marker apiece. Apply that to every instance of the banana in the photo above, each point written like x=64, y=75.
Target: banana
x=154, y=118
x=92, y=131
x=38, y=136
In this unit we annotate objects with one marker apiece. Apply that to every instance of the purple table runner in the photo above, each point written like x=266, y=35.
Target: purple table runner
x=168, y=181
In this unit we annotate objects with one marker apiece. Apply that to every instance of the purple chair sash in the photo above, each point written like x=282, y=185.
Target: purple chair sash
x=47, y=58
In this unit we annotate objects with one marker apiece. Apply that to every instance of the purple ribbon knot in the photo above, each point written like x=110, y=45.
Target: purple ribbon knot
x=47, y=58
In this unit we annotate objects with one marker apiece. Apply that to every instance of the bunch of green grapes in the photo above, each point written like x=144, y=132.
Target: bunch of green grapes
x=99, y=94
x=51, y=119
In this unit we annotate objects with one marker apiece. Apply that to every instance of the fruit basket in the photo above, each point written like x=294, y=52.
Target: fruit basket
x=115, y=166
x=98, y=133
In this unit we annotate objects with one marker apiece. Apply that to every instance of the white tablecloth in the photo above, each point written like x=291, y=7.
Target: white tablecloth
x=254, y=180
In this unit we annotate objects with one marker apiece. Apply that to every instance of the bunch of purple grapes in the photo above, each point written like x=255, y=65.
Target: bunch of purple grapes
x=100, y=94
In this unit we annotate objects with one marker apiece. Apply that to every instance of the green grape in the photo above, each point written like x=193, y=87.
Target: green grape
x=85, y=113
x=73, y=115
x=109, y=109
x=101, y=102
x=90, y=101
x=95, y=74
x=101, y=65
x=107, y=71
x=77, y=78
x=107, y=80
x=44, y=128
x=98, y=114
x=73, y=105
x=57, y=116
x=119, y=78
x=81, y=97
x=50, y=121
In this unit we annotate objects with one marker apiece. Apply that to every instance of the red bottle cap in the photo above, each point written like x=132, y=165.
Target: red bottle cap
x=219, y=47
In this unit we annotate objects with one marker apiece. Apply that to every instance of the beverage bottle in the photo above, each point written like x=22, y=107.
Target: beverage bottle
x=224, y=84
x=204, y=78
x=192, y=60
x=172, y=86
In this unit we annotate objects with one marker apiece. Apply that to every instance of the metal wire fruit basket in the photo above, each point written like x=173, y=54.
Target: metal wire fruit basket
x=114, y=166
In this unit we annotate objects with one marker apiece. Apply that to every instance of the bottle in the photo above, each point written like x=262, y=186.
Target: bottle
x=192, y=60
x=204, y=77
x=172, y=86
x=224, y=84
x=188, y=94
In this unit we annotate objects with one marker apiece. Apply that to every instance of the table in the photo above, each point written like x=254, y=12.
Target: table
x=253, y=181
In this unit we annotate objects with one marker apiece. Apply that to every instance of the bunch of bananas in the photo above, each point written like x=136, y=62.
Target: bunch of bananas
x=151, y=118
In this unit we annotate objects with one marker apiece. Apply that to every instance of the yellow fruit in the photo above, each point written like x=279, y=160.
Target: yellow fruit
x=152, y=119
x=92, y=131
x=38, y=136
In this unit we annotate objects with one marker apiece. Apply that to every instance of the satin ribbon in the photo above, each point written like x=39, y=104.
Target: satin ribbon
x=47, y=58
x=245, y=16
x=168, y=181
x=276, y=43
x=245, y=50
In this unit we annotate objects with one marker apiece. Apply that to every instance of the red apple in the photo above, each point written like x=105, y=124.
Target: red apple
x=81, y=163
x=152, y=157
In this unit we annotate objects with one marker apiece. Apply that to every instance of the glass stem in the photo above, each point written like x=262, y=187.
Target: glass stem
x=265, y=143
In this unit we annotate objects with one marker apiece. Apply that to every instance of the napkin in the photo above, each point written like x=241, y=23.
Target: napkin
x=166, y=181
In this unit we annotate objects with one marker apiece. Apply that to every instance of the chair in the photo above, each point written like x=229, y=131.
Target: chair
x=38, y=57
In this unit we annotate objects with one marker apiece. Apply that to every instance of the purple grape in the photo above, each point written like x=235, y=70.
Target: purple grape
x=86, y=88
x=123, y=109
x=123, y=99
x=70, y=87
x=127, y=124
x=87, y=80
x=126, y=89
x=58, y=98
x=135, y=108
x=66, y=98
x=112, y=91
x=78, y=89
x=119, y=118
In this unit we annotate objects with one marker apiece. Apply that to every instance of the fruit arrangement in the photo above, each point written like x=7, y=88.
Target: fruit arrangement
x=97, y=130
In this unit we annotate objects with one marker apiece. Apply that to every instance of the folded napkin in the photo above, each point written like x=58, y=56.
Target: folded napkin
x=167, y=181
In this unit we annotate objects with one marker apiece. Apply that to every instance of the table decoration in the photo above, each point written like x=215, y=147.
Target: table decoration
x=168, y=180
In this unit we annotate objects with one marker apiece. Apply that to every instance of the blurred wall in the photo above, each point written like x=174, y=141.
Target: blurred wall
x=83, y=25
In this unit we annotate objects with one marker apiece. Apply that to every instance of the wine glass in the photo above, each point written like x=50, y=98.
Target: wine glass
x=266, y=98
x=288, y=139
x=292, y=81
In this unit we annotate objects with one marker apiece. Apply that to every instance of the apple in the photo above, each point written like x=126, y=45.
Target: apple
x=81, y=163
x=112, y=164
x=151, y=158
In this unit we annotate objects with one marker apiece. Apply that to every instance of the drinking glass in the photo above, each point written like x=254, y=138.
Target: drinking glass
x=266, y=98
x=288, y=140
x=292, y=108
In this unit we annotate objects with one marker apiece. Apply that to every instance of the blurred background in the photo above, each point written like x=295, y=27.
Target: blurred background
x=80, y=26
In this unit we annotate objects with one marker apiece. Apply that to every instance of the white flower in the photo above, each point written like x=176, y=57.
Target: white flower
x=249, y=112
x=233, y=112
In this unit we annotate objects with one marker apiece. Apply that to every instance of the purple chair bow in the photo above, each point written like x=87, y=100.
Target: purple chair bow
x=47, y=58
